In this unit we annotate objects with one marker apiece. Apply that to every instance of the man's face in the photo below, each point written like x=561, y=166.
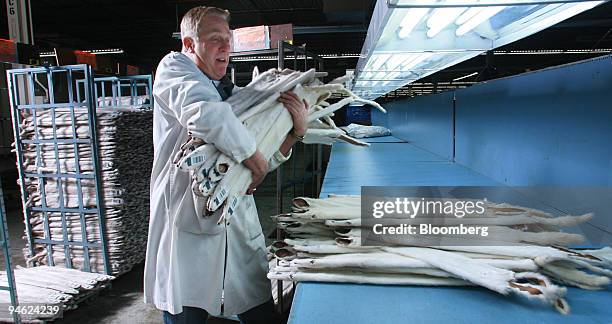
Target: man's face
x=213, y=46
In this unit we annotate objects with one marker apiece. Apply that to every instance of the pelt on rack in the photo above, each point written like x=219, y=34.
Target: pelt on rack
x=125, y=150
x=324, y=244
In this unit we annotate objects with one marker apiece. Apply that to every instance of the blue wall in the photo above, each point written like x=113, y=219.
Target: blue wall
x=551, y=127
x=379, y=118
x=546, y=128
x=425, y=121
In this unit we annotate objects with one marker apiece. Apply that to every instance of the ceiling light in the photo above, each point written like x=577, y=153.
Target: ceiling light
x=412, y=18
x=482, y=16
x=445, y=32
x=565, y=13
x=466, y=76
x=440, y=18
x=95, y=52
x=467, y=15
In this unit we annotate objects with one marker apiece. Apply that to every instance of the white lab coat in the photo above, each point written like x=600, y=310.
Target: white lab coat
x=186, y=252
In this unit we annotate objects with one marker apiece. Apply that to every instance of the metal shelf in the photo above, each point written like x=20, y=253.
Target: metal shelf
x=69, y=90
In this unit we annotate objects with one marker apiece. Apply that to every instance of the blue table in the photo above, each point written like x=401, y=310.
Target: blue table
x=393, y=162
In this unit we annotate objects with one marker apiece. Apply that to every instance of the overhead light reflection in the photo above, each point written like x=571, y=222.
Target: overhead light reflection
x=440, y=18
x=481, y=17
x=412, y=18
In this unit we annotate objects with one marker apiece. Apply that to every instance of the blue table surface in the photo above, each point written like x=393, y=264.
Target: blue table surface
x=382, y=139
x=393, y=162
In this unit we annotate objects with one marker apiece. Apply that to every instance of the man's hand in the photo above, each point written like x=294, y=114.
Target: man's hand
x=298, y=110
x=259, y=167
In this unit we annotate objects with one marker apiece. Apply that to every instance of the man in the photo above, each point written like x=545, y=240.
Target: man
x=195, y=266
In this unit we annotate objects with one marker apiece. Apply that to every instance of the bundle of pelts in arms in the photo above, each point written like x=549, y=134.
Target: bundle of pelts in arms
x=218, y=179
x=53, y=289
x=324, y=244
x=125, y=150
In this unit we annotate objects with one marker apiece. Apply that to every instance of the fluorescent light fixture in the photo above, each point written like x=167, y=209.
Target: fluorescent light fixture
x=395, y=62
x=417, y=38
x=467, y=15
x=440, y=18
x=478, y=19
x=105, y=51
x=95, y=52
x=376, y=64
x=466, y=76
x=552, y=51
x=378, y=76
x=564, y=13
x=411, y=19
x=416, y=59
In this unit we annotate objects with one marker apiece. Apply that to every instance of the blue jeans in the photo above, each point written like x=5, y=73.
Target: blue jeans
x=262, y=314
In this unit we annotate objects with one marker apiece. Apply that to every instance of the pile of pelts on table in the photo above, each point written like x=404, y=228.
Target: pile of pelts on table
x=324, y=244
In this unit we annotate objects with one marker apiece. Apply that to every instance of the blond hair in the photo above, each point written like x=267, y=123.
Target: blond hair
x=190, y=24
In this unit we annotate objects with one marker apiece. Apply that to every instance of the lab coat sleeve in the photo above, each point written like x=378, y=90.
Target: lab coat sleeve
x=214, y=122
x=190, y=101
x=277, y=159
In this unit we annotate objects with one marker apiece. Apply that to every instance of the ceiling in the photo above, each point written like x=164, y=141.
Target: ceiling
x=143, y=29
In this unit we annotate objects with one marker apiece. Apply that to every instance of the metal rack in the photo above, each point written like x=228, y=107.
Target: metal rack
x=317, y=157
x=124, y=87
x=6, y=133
x=4, y=243
x=71, y=89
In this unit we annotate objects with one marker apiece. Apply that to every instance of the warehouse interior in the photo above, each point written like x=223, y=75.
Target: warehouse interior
x=526, y=120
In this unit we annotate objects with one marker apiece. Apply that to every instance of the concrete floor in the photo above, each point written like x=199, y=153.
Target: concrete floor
x=123, y=302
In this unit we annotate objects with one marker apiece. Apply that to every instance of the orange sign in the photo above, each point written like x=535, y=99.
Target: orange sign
x=132, y=70
x=250, y=38
x=86, y=58
x=8, y=51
